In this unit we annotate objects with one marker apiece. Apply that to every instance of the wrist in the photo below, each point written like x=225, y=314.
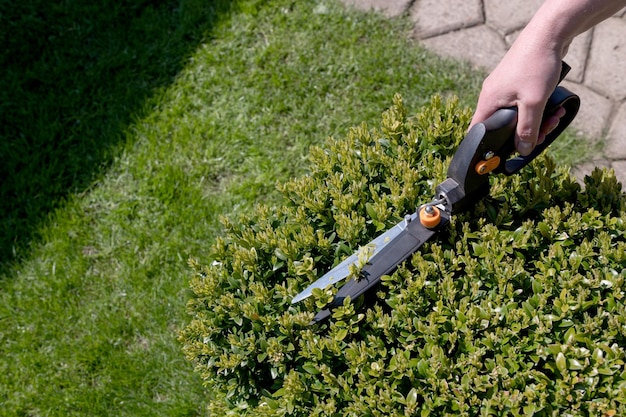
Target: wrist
x=558, y=22
x=549, y=32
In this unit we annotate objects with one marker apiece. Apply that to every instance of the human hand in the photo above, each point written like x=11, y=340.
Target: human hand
x=524, y=78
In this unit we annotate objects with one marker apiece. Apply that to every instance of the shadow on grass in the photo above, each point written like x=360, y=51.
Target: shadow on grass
x=75, y=74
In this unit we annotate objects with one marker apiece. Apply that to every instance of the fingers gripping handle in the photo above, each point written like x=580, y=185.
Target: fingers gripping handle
x=561, y=97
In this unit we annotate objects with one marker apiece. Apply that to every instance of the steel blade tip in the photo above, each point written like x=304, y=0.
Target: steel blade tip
x=299, y=297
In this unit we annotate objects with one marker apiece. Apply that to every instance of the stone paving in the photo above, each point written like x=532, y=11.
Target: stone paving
x=481, y=31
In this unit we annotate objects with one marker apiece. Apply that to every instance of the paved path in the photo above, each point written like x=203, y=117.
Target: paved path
x=481, y=31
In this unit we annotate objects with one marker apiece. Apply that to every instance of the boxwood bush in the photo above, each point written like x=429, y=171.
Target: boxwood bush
x=517, y=309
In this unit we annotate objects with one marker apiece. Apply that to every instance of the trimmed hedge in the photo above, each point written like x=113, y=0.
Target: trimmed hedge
x=518, y=309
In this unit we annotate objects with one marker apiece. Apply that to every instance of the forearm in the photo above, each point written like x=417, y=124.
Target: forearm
x=530, y=70
x=557, y=22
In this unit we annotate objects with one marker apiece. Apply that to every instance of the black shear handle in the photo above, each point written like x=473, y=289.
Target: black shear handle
x=489, y=146
x=561, y=97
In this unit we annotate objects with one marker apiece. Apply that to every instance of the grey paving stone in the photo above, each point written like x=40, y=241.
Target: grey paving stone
x=605, y=67
x=390, y=8
x=616, y=138
x=507, y=17
x=577, y=55
x=435, y=17
x=595, y=110
x=510, y=37
x=480, y=45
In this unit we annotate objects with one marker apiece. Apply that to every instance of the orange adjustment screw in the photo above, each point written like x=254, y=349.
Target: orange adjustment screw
x=488, y=165
x=430, y=216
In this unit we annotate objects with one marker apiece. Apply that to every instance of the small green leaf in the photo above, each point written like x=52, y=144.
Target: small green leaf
x=311, y=368
x=423, y=368
x=575, y=365
x=544, y=229
x=341, y=334
x=411, y=398
x=280, y=254
x=371, y=211
x=478, y=249
x=561, y=362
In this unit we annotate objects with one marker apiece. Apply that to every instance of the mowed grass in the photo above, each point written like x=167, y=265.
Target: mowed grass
x=127, y=130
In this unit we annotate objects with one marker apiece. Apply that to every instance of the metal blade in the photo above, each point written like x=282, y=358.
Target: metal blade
x=341, y=271
x=407, y=242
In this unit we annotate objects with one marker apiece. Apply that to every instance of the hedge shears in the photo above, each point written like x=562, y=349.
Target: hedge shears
x=487, y=148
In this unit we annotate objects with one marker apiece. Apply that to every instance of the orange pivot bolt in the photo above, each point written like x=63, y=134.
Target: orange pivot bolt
x=430, y=216
x=486, y=166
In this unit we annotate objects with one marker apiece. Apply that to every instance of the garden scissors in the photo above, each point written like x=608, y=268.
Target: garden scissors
x=488, y=147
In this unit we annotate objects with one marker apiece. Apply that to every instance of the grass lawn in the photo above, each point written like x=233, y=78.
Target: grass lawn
x=126, y=130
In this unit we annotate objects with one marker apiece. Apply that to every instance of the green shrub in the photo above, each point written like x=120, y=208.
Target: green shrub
x=518, y=309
